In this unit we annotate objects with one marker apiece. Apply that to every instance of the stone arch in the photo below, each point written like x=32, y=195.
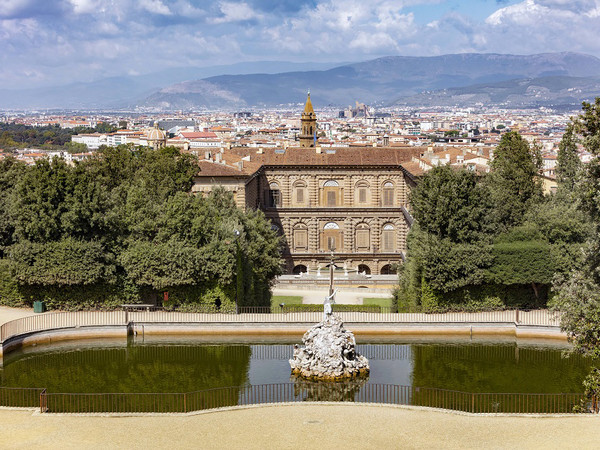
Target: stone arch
x=331, y=183
x=364, y=268
x=388, y=269
x=298, y=269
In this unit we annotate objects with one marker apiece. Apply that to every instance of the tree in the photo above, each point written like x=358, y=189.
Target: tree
x=514, y=182
x=450, y=203
x=577, y=295
x=568, y=164
x=123, y=225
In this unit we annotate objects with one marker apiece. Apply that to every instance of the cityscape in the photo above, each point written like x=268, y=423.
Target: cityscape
x=290, y=223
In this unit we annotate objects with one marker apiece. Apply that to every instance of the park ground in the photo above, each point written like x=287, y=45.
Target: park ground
x=299, y=426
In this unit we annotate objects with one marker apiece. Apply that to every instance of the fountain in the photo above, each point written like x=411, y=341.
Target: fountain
x=329, y=351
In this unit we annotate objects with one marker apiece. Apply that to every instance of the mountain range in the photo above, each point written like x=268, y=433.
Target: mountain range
x=126, y=91
x=467, y=79
x=558, y=92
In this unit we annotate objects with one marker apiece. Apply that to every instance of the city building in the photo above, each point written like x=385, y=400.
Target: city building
x=353, y=200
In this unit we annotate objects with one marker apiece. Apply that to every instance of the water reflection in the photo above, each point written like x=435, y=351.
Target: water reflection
x=330, y=391
x=177, y=365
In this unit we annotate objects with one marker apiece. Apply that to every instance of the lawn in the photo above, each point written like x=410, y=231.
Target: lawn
x=286, y=299
x=376, y=301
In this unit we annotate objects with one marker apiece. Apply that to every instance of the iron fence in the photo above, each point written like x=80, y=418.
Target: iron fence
x=60, y=320
x=519, y=403
x=20, y=397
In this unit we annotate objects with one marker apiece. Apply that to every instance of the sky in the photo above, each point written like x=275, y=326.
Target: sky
x=55, y=42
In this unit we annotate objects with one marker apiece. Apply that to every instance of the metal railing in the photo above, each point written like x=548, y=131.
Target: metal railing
x=50, y=321
x=20, y=397
x=54, y=321
x=518, y=403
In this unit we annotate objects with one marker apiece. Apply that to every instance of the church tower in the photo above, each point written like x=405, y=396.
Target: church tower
x=308, y=133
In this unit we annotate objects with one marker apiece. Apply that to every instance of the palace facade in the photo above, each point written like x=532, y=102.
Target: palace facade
x=354, y=200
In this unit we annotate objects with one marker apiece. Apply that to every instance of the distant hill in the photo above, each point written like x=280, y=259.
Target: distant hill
x=381, y=81
x=378, y=81
x=554, y=91
x=118, y=92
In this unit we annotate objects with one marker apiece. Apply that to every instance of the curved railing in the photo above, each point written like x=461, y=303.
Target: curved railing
x=516, y=403
x=60, y=320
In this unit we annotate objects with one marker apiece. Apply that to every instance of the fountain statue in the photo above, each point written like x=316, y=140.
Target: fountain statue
x=329, y=351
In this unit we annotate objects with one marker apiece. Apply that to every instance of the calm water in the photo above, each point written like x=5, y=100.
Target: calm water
x=172, y=365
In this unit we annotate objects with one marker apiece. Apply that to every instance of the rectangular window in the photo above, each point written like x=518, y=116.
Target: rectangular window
x=300, y=240
x=300, y=195
x=387, y=239
x=274, y=200
x=362, y=195
x=362, y=240
x=388, y=197
x=331, y=198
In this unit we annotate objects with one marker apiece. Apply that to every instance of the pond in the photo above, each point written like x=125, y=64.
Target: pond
x=193, y=364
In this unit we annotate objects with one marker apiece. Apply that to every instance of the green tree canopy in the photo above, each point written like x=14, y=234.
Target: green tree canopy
x=450, y=203
x=568, y=164
x=514, y=181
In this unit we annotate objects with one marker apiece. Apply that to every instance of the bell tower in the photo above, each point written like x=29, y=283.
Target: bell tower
x=308, y=133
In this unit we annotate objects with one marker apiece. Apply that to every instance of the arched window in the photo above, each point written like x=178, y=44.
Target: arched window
x=363, y=268
x=299, y=193
x=274, y=196
x=331, y=238
x=388, y=194
x=300, y=238
x=388, y=238
x=331, y=193
x=363, y=238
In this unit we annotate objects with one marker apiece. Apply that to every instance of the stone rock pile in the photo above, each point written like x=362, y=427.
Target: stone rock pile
x=329, y=353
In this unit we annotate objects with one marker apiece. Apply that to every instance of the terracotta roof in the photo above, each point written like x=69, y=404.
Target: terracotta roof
x=331, y=156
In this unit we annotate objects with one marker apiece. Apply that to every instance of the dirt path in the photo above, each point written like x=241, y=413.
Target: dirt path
x=7, y=314
x=302, y=426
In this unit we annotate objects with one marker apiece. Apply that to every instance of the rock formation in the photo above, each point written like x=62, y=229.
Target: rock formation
x=328, y=353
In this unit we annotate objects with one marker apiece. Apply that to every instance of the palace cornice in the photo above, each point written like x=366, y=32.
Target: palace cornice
x=289, y=167
x=334, y=211
x=355, y=255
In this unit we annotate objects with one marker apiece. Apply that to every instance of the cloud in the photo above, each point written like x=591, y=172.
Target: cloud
x=59, y=41
x=235, y=12
x=84, y=6
x=155, y=7
x=546, y=25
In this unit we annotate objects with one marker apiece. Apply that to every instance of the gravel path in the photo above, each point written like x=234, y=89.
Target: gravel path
x=298, y=427
x=7, y=314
